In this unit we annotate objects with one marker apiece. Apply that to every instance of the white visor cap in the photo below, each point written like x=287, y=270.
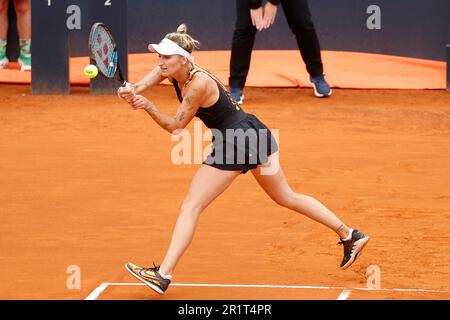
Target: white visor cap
x=168, y=48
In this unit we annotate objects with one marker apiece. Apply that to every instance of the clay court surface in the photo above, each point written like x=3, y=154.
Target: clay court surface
x=86, y=181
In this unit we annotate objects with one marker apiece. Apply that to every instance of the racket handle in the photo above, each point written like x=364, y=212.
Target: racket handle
x=128, y=85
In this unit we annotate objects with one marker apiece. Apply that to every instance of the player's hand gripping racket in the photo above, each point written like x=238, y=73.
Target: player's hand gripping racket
x=103, y=53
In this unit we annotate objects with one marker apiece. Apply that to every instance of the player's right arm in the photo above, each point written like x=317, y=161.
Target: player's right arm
x=153, y=78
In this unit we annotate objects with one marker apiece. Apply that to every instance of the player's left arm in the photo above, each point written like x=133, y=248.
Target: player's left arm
x=153, y=78
x=193, y=98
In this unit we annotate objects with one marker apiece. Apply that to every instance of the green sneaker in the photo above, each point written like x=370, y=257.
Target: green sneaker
x=3, y=62
x=3, y=59
x=25, y=63
x=25, y=55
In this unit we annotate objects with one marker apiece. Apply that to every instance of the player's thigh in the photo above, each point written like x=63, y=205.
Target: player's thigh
x=208, y=183
x=271, y=178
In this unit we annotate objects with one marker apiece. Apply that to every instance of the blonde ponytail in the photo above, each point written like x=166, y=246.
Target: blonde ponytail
x=182, y=28
x=183, y=39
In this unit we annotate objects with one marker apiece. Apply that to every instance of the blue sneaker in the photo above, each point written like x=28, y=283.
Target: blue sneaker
x=237, y=95
x=321, y=86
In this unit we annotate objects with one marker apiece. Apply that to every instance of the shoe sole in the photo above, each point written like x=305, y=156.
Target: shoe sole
x=3, y=63
x=23, y=66
x=151, y=285
x=359, y=245
x=316, y=93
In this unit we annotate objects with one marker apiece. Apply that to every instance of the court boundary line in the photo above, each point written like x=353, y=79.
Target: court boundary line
x=97, y=291
x=344, y=294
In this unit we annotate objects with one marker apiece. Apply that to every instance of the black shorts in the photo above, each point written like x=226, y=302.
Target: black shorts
x=242, y=146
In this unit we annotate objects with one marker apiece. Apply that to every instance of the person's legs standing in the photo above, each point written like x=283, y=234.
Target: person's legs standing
x=299, y=20
x=3, y=32
x=23, y=12
x=241, y=48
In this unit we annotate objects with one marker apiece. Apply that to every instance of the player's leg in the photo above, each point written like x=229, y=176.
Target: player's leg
x=299, y=20
x=23, y=12
x=3, y=32
x=241, y=50
x=4, y=19
x=277, y=187
x=206, y=185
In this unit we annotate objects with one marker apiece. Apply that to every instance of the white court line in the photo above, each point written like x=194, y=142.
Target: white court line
x=344, y=295
x=267, y=286
x=94, y=294
x=97, y=291
x=278, y=286
x=404, y=290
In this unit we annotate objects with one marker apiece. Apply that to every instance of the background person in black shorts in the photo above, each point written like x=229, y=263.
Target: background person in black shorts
x=203, y=96
x=251, y=17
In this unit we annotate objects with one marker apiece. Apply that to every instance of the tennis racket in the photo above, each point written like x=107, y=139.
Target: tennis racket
x=103, y=53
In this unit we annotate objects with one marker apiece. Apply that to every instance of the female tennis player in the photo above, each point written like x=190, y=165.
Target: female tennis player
x=241, y=143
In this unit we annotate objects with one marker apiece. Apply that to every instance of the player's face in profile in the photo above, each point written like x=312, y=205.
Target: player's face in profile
x=169, y=65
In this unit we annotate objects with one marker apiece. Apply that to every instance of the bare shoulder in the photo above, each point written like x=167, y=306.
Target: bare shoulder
x=203, y=89
x=200, y=81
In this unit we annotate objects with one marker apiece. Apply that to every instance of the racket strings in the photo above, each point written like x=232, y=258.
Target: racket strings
x=113, y=64
x=102, y=44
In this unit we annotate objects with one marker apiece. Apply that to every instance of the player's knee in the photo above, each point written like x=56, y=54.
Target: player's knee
x=3, y=6
x=286, y=199
x=191, y=207
x=22, y=6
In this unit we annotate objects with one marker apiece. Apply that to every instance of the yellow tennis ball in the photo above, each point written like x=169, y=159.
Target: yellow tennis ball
x=90, y=71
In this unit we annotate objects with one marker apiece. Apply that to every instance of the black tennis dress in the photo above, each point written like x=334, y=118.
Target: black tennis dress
x=240, y=141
